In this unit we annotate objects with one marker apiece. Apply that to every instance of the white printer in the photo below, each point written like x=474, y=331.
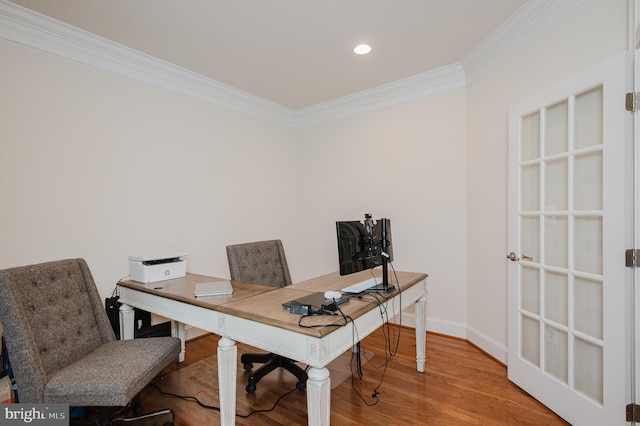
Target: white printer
x=150, y=269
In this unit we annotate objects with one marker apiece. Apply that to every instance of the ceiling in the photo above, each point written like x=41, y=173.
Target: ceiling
x=296, y=53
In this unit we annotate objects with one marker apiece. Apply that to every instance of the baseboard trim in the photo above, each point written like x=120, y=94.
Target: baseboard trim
x=449, y=328
x=488, y=345
x=461, y=331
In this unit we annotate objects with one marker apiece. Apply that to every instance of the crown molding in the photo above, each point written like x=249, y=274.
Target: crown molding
x=30, y=29
x=430, y=83
x=532, y=19
x=33, y=30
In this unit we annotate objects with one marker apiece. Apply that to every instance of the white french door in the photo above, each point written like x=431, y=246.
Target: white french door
x=569, y=225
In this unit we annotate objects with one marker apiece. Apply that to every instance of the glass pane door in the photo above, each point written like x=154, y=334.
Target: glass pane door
x=561, y=222
x=568, y=217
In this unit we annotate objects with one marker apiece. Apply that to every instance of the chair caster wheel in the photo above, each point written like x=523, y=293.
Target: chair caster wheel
x=251, y=388
x=248, y=366
x=301, y=386
x=137, y=409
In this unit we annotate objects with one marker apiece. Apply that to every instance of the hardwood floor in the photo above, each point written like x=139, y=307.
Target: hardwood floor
x=460, y=385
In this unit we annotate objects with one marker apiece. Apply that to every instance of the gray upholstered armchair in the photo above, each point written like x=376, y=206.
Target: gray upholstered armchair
x=263, y=262
x=61, y=344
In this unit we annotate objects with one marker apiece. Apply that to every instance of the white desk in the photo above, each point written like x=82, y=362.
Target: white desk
x=254, y=315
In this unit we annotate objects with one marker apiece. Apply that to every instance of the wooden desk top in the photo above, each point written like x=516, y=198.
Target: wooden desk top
x=267, y=308
x=264, y=303
x=183, y=290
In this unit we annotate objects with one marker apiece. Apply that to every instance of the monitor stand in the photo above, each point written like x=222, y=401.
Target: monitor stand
x=381, y=288
x=385, y=287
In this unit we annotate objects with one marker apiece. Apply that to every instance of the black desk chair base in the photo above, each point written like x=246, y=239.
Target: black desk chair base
x=132, y=414
x=271, y=362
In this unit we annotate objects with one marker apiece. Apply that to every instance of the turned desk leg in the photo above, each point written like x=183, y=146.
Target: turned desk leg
x=227, y=366
x=127, y=318
x=318, y=397
x=421, y=333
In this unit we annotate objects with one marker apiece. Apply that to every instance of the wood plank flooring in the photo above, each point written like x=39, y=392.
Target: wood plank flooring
x=461, y=385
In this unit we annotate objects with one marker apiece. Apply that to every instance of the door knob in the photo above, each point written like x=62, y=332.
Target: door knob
x=512, y=257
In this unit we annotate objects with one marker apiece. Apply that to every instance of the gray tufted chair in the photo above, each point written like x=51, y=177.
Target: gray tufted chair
x=62, y=346
x=263, y=262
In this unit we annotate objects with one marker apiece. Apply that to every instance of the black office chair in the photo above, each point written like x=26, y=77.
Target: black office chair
x=263, y=262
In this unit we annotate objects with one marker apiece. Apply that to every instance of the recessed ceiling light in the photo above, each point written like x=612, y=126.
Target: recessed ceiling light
x=362, y=49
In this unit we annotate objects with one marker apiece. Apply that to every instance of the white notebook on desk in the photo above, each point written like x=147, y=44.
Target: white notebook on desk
x=214, y=288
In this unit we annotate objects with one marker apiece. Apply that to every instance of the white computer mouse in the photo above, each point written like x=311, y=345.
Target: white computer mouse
x=332, y=294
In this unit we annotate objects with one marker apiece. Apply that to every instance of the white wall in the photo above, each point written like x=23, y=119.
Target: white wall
x=98, y=166
x=593, y=34
x=405, y=162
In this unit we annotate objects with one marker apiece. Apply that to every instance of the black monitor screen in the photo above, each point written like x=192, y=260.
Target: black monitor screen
x=360, y=244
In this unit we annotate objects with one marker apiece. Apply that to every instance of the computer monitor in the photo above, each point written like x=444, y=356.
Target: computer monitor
x=361, y=245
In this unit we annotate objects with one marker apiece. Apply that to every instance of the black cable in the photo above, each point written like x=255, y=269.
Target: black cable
x=389, y=350
x=357, y=355
x=399, y=328
x=355, y=342
x=359, y=361
x=213, y=407
x=321, y=312
x=116, y=289
x=275, y=404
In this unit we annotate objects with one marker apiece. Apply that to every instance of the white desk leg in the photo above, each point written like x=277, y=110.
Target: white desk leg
x=421, y=333
x=178, y=331
x=227, y=371
x=318, y=397
x=127, y=318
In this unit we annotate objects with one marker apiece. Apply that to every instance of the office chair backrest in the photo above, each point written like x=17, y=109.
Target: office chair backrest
x=261, y=262
x=52, y=315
